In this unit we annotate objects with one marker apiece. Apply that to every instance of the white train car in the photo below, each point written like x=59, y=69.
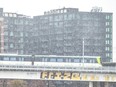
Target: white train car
x=50, y=61
x=67, y=61
x=14, y=59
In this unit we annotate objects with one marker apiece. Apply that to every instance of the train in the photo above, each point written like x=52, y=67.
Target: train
x=54, y=61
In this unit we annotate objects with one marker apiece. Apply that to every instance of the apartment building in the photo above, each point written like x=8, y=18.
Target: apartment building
x=15, y=33
x=68, y=31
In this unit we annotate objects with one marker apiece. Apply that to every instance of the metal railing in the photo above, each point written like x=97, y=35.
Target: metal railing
x=68, y=69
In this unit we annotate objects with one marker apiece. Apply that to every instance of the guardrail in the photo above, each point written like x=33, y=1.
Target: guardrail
x=67, y=69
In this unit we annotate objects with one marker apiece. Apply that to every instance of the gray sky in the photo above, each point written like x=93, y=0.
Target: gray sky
x=37, y=7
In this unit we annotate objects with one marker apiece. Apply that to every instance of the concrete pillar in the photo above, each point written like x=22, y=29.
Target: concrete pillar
x=98, y=84
x=106, y=84
x=90, y=84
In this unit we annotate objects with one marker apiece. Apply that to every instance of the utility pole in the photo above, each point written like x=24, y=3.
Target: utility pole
x=33, y=59
x=83, y=52
x=4, y=83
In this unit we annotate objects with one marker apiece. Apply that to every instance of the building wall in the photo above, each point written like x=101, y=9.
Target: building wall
x=1, y=35
x=17, y=33
x=62, y=33
x=58, y=32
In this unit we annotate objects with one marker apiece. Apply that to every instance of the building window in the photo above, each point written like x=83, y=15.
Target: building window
x=26, y=34
x=51, y=24
x=6, y=47
x=21, y=51
x=50, y=18
x=110, y=17
x=65, y=17
x=11, y=45
x=21, y=46
x=107, y=54
x=65, y=10
x=107, y=35
x=21, y=34
x=60, y=17
x=70, y=17
x=107, y=42
x=107, y=23
x=56, y=18
x=56, y=24
x=11, y=33
x=21, y=40
x=107, y=48
x=107, y=17
x=20, y=21
x=5, y=33
x=107, y=29
x=60, y=24
x=6, y=15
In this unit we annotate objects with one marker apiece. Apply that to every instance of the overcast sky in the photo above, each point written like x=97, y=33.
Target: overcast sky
x=37, y=7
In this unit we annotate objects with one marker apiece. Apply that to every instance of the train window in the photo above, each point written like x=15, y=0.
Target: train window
x=76, y=60
x=95, y=60
x=52, y=60
x=12, y=59
x=91, y=61
x=66, y=60
x=19, y=59
x=42, y=59
x=69, y=60
x=85, y=60
x=22, y=59
x=38, y=59
x=6, y=58
x=59, y=60
x=27, y=59
x=45, y=59
x=81, y=60
x=1, y=58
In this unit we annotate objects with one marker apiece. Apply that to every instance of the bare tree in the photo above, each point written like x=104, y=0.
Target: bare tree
x=18, y=83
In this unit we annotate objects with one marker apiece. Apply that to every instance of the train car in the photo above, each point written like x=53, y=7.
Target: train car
x=50, y=60
x=67, y=61
x=15, y=59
